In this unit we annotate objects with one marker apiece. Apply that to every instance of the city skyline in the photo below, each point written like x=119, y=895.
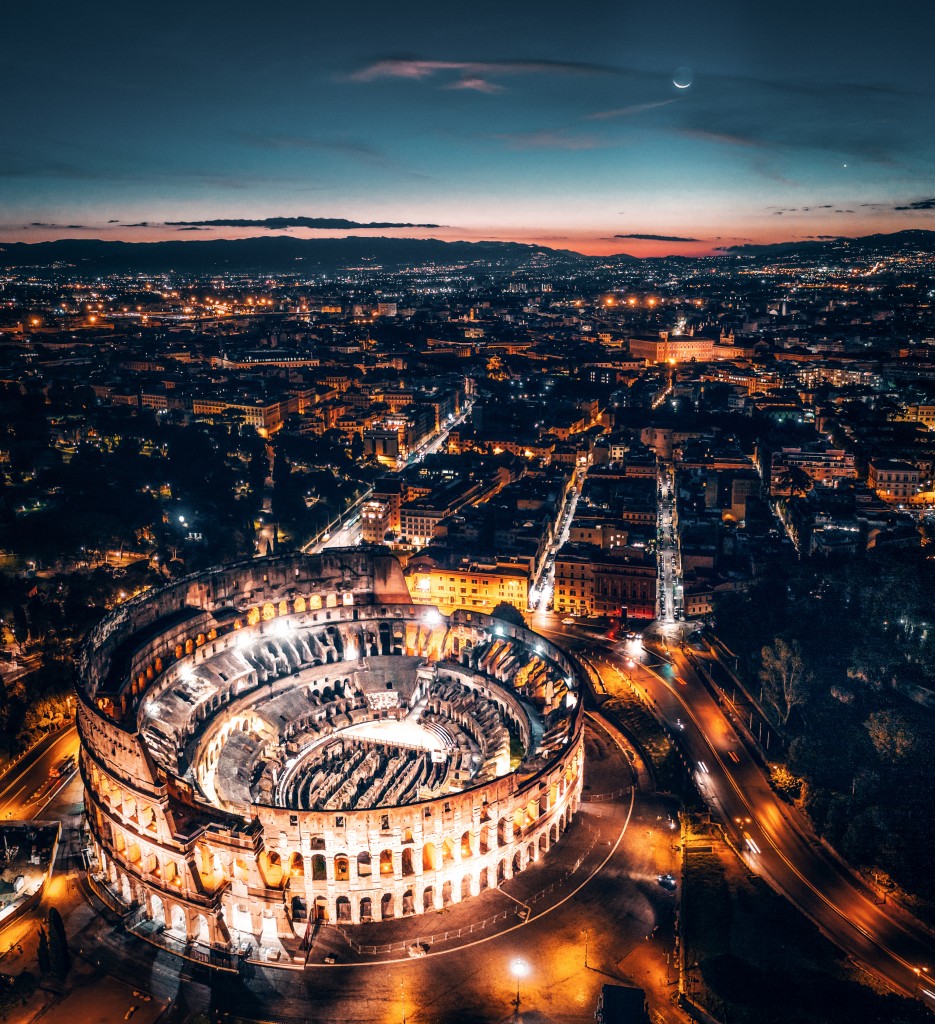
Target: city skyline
x=631, y=130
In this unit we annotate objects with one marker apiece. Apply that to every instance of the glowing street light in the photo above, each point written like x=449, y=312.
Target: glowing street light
x=520, y=970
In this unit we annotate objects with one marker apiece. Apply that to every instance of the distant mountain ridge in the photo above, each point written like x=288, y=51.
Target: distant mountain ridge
x=283, y=253
x=273, y=253
x=912, y=238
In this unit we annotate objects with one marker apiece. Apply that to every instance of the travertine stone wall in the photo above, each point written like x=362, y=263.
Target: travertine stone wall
x=229, y=873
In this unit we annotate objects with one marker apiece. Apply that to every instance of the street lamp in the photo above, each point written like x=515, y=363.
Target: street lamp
x=520, y=970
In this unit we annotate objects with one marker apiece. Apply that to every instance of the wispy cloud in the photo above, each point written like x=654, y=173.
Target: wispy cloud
x=59, y=227
x=918, y=204
x=281, y=223
x=420, y=70
x=659, y=238
x=475, y=84
x=628, y=111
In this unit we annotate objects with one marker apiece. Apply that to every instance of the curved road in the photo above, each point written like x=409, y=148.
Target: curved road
x=26, y=787
x=775, y=840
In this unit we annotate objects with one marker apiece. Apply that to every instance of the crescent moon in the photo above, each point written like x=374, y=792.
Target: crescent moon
x=678, y=85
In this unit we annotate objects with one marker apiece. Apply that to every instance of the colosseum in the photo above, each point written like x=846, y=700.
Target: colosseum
x=290, y=740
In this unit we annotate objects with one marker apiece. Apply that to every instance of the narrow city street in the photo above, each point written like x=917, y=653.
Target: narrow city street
x=669, y=602
x=540, y=592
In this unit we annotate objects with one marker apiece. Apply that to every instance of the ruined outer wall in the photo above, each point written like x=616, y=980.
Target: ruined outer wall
x=217, y=878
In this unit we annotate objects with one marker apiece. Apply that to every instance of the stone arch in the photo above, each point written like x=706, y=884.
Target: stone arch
x=466, y=884
x=466, y=846
x=321, y=908
x=178, y=923
x=407, y=868
x=429, y=857
x=200, y=930
x=448, y=851
x=297, y=866
x=504, y=831
x=554, y=831
x=446, y=893
x=364, y=864
x=484, y=844
x=157, y=909
x=544, y=842
x=409, y=902
x=386, y=863
x=428, y=898
x=342, y=870
x=271, y=864
x=269, y=611
x=343, y=908
x=482, y=880
x=386, y=906
x=319, y=869
x=501, y=872
x=517, y=862
x=366, y=909
x=299, y=909
x=530, y=853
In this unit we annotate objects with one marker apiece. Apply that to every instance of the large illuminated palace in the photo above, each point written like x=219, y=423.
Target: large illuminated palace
x=290, y=739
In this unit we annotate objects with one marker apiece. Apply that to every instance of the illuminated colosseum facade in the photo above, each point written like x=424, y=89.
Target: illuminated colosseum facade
x=290, y=739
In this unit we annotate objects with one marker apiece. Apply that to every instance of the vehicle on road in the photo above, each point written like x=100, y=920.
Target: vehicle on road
x=417, y=950
x=63, y=767
x=568, y=622
x=667, y=881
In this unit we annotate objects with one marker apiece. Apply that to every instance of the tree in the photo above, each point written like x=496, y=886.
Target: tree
x=59, y=956
x=508, y=613
x=42, y=953
x=784, y=678
x=891, y=734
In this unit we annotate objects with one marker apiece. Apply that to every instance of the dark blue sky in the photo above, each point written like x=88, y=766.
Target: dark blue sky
x=537, y=121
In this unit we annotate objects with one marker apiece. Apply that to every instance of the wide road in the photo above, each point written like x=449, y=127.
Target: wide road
x=26, y=787
x=775, y=840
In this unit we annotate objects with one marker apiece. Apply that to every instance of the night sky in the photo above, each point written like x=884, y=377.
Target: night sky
x=558, y=123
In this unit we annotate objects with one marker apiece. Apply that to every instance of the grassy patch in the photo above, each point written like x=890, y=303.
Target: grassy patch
x=632, y=715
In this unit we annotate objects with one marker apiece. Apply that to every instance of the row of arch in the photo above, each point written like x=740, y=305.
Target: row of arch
x=191, y=924
x=280, y=869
